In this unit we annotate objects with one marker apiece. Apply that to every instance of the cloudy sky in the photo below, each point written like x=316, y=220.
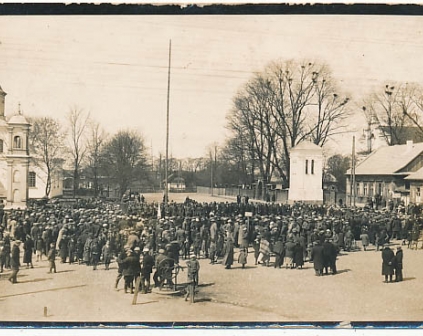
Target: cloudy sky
x=116, y=66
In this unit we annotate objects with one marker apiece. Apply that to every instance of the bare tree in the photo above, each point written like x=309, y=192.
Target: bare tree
x=306, y=105
x=124, y=157
x=394, y=110
x=46, y=140
x=252, y=117
x=287, y=103
x=96, y=140
x=78, y=121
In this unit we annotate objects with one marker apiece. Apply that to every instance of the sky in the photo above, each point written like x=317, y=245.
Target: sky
x=116, y=67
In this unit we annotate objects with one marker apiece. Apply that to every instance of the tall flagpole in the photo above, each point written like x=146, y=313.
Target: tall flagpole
x=167, y=129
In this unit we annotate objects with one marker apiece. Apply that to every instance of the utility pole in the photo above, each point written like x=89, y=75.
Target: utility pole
x=353, y=194
x=167, y=128
x=211, y=173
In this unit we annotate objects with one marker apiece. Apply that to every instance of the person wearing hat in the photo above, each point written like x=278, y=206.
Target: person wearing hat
x=388, y=261
x=106, y=254
x=228, y=258
x=51, y=257
x=398, y=264
x=15, y=261
x=130, y=268
x=28, y=250
x=146, y=270
x=159, y=258
x=192, y=275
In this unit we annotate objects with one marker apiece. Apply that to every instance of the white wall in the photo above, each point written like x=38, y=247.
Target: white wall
x=302, y=186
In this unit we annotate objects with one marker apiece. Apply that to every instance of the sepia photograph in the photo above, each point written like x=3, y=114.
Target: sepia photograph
x=211, y=169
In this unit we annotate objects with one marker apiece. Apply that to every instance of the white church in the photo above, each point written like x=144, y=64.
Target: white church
x=20, y=179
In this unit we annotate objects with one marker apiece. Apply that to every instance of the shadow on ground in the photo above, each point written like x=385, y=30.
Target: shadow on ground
x=35, y=280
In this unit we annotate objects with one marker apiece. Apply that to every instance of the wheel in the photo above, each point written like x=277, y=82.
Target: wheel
x=165, y=269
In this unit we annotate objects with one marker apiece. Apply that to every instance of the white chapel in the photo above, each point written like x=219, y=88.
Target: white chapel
x=306, y=173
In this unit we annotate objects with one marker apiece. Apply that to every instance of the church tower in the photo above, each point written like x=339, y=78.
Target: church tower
x=306, y=173
x=14, y=157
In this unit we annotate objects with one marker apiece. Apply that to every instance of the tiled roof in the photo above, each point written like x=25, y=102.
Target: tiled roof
x=388, y=160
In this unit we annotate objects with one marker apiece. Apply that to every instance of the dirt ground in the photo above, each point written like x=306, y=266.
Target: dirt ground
x=254, y=294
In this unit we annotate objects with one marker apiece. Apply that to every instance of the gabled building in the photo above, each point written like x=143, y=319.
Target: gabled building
x=383, y=175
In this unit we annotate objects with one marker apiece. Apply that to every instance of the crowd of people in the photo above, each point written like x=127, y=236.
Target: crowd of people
x=140, y=235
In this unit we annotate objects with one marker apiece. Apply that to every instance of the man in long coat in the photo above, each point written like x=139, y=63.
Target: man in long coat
x=329, y=255
x=15, y=262
x=228, y=258
x=317, y=258
x=388, y=261
x=398, y=264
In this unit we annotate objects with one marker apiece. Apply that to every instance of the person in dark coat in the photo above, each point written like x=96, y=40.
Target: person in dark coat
x=15, y=262
x=298, y=255
x=398, y=264
x=63, y=248
x=329, y=256
x=72, y=249
x=51, y=257
x=317, y=258
x=120, y=258
x=388, y=260
x=95, y=253
x=289, y=253
x=28, y=250
x=130, y=267
x=146, y=270
x=279, y=251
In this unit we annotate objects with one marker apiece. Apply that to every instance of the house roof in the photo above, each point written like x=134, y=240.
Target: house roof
x=418, y=175
x=388, y=160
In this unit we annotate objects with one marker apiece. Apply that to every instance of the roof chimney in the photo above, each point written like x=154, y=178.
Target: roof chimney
x=409, y=145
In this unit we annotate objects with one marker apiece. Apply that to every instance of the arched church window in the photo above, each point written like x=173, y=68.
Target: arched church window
x=17, y=142
x=306, y=166
x=1, y=146
x=312, y=166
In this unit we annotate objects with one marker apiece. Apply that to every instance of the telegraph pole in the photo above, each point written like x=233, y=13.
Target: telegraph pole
x=353, y=172
x=167, y=128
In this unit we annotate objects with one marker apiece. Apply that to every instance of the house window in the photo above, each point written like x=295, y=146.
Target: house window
x=17, y=143
x=418, y=192
x=357, y=189
x=379, y=189
x=371, y=191
x=312, y=166
x=32, y=178
x=306, y=166
x=365, y=189
x=1, y=146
